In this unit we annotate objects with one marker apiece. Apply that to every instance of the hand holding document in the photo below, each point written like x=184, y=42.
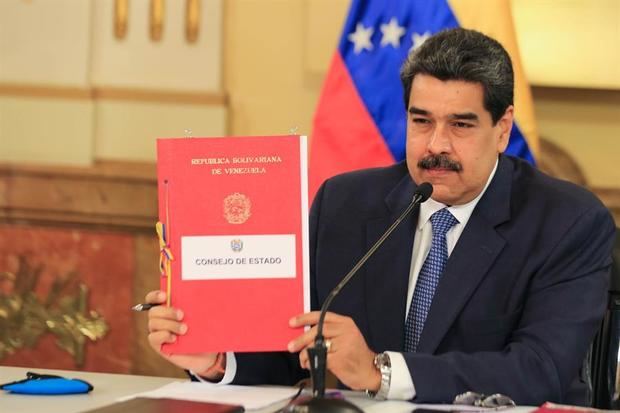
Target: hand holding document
x=165, y=325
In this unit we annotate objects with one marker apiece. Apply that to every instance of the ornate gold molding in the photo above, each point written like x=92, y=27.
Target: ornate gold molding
x=24, y=318
x=121, y=12
x=611, y=198
x=555, y=161
x=156, y=20
x=192, y=20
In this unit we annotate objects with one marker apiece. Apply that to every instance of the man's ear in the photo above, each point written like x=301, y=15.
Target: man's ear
x=504, y=126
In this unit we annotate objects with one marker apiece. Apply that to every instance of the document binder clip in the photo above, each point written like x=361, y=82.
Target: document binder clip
x=48, y=384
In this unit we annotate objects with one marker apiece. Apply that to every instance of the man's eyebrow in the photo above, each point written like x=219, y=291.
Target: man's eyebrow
x=417, y=111
x=465, y=116
x=459, y=116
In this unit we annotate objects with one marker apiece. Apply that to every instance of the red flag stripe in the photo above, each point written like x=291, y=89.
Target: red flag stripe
x=345, y=136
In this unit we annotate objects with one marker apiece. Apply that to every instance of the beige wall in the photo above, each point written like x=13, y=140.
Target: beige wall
x=585, y=123
x=571, y=53
x=570, y=42
x=271, y=81
x=275, y=57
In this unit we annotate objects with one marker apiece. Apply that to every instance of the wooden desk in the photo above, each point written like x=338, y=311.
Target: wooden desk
x=110, y=387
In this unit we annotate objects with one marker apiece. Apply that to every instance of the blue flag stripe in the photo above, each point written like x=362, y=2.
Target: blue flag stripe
x=376, y=72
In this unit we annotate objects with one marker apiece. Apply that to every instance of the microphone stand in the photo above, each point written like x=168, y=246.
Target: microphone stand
x=318, y=354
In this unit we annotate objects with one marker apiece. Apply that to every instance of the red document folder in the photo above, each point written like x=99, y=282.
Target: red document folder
x=549, y=407
x=235, y=215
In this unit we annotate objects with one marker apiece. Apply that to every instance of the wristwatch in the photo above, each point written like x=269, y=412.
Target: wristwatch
x=382, y=363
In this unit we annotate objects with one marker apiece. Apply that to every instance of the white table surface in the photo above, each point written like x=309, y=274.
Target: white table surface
x=110, y=387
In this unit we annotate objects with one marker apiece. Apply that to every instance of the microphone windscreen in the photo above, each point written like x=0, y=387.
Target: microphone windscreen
x=424, y=191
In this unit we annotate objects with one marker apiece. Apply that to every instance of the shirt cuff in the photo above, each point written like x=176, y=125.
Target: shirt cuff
x=401, y=383
x=229, y=374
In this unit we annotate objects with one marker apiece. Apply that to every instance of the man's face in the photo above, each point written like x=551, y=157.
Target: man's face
x=451, y=140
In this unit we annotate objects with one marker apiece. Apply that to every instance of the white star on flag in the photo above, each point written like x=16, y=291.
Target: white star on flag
x=361, y=38
x=392, y=33
x=418, y=39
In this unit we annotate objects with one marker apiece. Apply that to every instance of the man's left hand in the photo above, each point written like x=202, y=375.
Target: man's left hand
x=348, y=355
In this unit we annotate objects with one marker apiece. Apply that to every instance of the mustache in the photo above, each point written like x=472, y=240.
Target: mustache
x=440, y=162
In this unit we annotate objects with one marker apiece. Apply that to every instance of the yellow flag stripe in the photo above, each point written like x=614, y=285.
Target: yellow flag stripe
x=494, y=18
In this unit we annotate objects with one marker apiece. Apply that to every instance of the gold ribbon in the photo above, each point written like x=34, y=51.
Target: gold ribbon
x=165, y=257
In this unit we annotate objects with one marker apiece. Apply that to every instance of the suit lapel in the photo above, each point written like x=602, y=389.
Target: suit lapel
x=387, y=271
x=471, y=259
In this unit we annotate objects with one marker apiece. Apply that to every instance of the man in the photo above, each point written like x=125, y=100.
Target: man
x=514, y=307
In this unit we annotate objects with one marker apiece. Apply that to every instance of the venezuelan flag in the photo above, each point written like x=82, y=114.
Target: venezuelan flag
x=360, y=120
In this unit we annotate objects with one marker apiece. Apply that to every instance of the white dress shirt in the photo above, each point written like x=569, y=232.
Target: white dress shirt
x=229, y=374
x=401, y=384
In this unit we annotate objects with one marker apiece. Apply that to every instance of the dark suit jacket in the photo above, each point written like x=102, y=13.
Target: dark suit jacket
x=516, y=308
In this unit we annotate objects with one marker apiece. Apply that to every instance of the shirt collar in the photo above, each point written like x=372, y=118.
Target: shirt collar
x=460, y=212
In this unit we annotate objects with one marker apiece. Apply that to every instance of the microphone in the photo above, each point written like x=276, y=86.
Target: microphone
x=318, y=353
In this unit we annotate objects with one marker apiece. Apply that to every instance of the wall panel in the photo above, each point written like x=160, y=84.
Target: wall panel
x=45, y=42
x=172, y=63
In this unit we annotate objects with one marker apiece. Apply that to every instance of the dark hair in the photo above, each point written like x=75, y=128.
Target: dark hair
x=467, y=55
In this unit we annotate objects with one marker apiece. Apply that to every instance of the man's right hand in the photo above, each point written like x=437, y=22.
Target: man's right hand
x=165, y=324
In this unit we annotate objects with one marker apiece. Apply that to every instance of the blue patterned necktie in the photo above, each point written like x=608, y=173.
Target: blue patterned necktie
x=428, y=278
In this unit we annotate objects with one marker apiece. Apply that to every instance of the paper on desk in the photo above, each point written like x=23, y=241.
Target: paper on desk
x=249, y=397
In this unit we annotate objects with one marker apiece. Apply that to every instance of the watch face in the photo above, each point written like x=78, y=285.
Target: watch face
x=381, y=360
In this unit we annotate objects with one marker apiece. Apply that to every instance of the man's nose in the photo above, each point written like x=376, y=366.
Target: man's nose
x=440, y=140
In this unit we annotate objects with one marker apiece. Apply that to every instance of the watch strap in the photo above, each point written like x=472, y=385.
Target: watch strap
x=383, y=364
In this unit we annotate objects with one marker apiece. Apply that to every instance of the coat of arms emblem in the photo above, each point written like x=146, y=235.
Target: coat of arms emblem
x=237, y=208
x=236, y=245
